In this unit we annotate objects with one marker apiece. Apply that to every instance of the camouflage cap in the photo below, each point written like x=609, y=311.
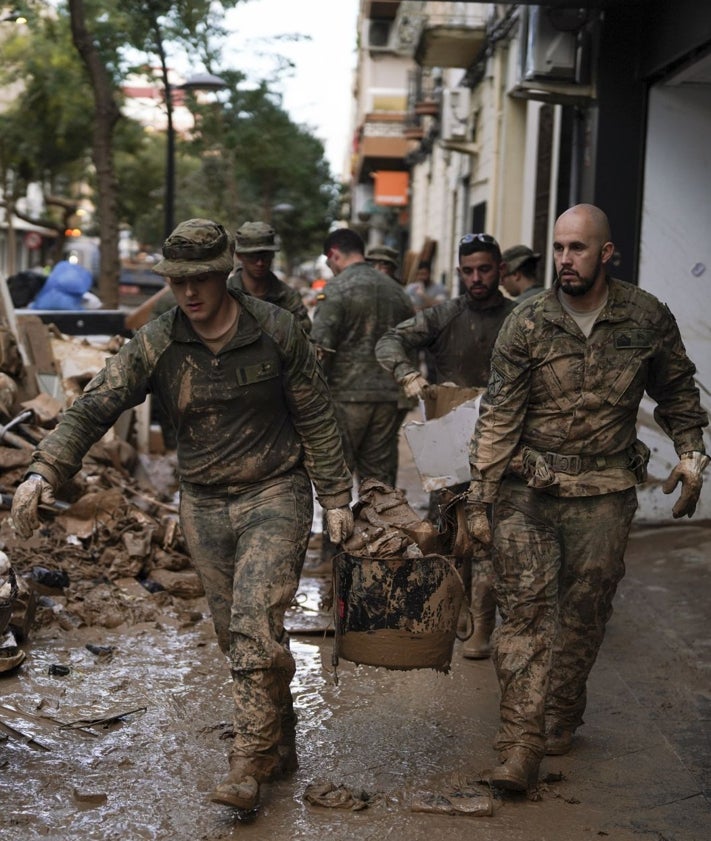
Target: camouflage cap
x=382, y=254
x=255, y=236
x=196, y=246
x=517, y=255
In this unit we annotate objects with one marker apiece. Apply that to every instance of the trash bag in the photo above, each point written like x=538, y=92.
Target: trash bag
x=24, y=287
x=64, y=288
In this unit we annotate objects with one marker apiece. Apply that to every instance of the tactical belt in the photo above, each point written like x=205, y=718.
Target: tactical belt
x=578, y=464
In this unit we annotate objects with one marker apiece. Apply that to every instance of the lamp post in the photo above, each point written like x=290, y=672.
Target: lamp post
x=198, y=82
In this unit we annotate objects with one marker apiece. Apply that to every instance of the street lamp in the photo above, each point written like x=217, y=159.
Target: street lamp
x=198, y=82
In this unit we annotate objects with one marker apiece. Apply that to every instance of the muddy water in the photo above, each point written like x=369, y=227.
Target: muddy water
x=634, y=774
x=148, y=775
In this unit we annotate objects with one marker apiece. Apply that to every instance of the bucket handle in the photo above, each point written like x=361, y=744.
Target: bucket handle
x=470, y=616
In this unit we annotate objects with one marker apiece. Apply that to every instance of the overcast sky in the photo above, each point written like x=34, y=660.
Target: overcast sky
x=318, y=92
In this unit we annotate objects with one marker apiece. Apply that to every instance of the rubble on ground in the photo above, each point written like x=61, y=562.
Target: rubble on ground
x=110, y=552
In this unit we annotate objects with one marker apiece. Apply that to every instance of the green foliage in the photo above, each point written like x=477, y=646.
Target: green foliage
x=254, y=159
x=245, y=157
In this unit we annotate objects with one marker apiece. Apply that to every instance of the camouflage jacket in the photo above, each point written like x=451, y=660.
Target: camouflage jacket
x=552, y=391
x=356, y=308
x=460, y=335
x=255, y=410
x=280, y=294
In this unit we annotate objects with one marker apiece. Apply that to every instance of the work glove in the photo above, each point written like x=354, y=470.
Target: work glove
x=689, y=471
x=33, y=491
x=414, y=384
x=478, y=526
x=339, y=522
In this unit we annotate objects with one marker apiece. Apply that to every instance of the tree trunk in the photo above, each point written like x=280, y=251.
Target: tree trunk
x=107, y=114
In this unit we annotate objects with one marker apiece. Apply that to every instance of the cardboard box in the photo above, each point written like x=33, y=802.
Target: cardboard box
x=441, y=399
x=440, y=447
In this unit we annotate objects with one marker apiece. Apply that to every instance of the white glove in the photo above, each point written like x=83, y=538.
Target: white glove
x=339, y=522
x=689, y=471
x=478, y=526
x=30, y=493
x=414, y=384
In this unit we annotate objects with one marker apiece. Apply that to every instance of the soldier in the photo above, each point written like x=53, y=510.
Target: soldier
x=384, y=259
x=518, y=274
x=460, y=333
x=354, y=310
x=254, y=422
x=255, y=248
x=555, y=450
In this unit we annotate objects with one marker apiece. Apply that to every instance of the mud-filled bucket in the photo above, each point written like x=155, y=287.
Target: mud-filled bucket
x=400, y=613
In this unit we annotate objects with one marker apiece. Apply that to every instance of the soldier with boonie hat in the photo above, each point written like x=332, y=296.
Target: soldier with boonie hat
x=255, y=430
x=384, y=259
x=518, y=275
x=256, y=244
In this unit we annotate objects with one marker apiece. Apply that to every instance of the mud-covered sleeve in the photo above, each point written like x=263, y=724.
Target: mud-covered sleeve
x=329, y=317
x=314, y=419
x=671, y=385
x=502, y=411
x=397, y=348
x=298, y=309
x=120, y=385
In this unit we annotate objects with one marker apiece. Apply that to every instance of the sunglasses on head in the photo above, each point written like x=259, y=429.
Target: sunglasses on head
x=487, y=238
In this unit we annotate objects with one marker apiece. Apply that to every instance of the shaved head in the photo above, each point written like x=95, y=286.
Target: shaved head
x=594, y=219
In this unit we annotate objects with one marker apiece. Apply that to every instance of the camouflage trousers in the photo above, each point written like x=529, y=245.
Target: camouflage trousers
x=558, y=562
x=248, y=548
x=369, y=432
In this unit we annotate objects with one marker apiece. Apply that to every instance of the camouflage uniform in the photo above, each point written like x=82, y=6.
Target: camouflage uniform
x=555, y=448
x=280, y=294
x=356, y=308
x=254, y=422
x=460, y=333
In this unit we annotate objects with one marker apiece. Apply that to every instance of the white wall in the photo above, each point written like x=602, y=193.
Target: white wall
x=675, y=256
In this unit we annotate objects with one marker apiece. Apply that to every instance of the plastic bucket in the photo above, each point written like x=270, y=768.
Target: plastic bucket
x=400, y=613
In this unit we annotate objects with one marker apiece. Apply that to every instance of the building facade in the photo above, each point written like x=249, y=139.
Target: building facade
x=517, y=111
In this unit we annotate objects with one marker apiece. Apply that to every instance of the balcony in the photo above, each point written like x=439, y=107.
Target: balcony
x=382, y=144
x=441, y=34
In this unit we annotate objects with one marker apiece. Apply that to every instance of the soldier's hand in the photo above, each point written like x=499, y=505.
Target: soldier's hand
x=478, y=526
x=30, y=493
x=339, y=522
x=689, y=471
x=414, y=384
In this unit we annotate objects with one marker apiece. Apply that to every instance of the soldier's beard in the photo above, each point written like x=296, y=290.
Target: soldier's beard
x=584, y=284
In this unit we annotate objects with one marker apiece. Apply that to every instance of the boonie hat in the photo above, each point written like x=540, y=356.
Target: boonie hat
x=255, y=236
x=517, y=255
x=195, y=247
x=382, y=254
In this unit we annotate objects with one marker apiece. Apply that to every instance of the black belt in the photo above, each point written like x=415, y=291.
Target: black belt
x=579, y=464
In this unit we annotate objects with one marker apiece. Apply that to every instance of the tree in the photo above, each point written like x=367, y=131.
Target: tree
x=44, y=132
x=255, y=159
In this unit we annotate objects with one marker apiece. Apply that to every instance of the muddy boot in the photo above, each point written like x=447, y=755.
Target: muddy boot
x=518, y=770
x=559, y=740
x=288, y=759
x=240, y=788
x=478, y=646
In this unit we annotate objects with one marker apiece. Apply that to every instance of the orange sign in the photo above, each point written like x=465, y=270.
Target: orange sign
x=391, y=188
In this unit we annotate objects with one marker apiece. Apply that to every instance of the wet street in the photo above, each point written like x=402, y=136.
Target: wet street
x=398, y=742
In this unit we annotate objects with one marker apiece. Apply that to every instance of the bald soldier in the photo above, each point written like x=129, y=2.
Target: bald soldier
x=555, y=454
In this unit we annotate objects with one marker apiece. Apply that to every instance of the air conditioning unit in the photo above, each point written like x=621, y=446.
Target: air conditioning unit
x=558, y=50
x=379, y=34
x=547, y=52
x=454, y=114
